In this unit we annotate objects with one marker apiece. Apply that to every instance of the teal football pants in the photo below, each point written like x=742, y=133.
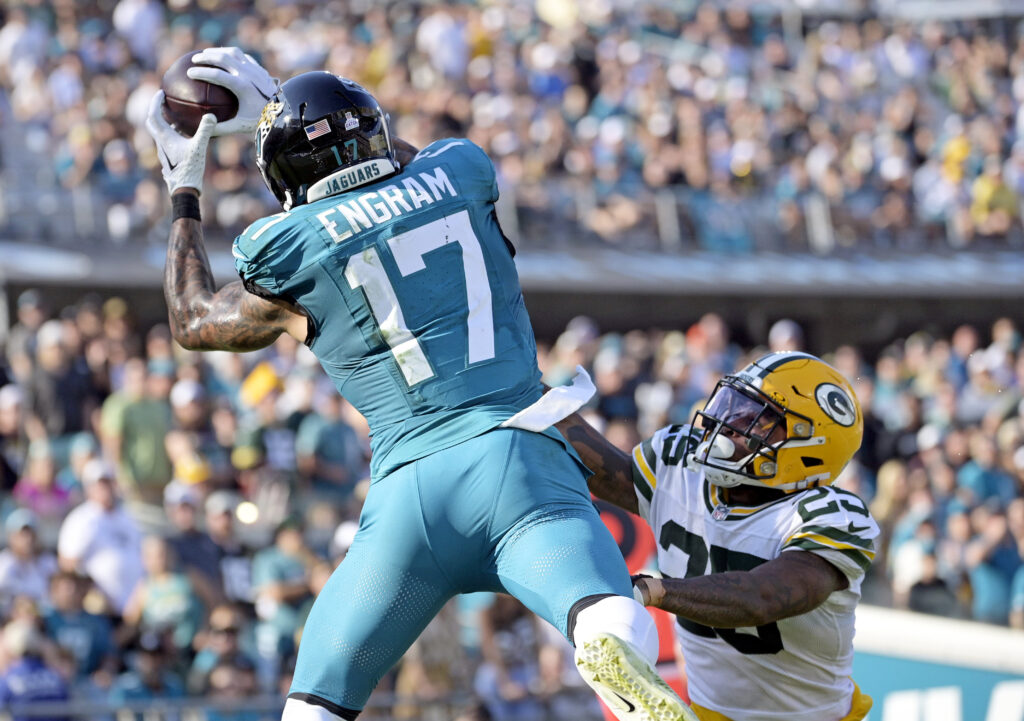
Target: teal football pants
x=506, y=511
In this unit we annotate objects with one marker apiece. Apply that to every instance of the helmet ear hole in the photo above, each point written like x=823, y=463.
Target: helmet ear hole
x=811, y=461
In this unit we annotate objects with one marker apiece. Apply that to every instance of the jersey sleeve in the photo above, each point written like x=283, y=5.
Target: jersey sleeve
x=836, y=525
x=267, y=253
x=651, y=458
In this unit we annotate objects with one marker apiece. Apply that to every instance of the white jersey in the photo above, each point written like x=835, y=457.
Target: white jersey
x=106, y=546
x=797, y=669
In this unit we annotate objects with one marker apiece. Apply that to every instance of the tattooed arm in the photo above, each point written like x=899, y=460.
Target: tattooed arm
x=796, y=582
x=203, y=318
x=613, y=469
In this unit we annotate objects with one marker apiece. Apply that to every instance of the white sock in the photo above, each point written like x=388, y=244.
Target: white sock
x=622, y=617
x=298, y=710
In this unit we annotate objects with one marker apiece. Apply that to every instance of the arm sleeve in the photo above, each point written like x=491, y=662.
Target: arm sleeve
x=836, y=525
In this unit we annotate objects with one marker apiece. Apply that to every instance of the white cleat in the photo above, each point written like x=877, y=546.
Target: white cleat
x=630, y=687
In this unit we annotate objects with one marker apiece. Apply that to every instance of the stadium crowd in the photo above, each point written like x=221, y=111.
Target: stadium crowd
x=168, y=516
x=595, y=113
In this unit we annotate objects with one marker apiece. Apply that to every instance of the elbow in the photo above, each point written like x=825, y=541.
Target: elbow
x=186, y=341
x=186, y=333
x=759, y=615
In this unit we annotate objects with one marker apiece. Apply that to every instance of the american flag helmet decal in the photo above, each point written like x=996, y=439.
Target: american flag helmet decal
x=320, y=127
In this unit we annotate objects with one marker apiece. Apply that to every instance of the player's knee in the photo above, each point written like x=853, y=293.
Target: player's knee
x=306, y=707
x=617, y=615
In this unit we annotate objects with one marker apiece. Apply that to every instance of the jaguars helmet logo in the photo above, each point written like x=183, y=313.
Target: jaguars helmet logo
x=270, y=112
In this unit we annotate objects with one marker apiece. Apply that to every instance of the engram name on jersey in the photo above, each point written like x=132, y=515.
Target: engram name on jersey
x=797, y=669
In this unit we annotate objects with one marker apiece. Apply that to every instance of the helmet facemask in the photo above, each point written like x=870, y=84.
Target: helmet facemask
x=743, y=430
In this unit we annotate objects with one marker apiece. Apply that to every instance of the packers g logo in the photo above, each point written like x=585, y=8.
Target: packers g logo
x=836, y=403
x=270, y=112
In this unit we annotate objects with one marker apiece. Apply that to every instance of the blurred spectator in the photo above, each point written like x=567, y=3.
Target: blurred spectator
x=218, y=643
x=27, y=678
x=328, y=451
x=280, y=579
x=13, y=435
x=25, y=570
x=234, y=559
x=196, y=554
x=100, y=539
x=435, y=666
x=510, y=641
x=992, y=560
x=21, y=341
x=60, y=393
x=140, y=437
x=233, y=680
x=164, y=603
x=38, y=490
x=785, y=335
x=981, y=477
x=88, y=636
x=929, y=594
x=149, y=676
x=81, y=449
x=993, y=203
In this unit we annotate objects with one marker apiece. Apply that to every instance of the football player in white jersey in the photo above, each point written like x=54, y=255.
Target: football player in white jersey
x=762, y=557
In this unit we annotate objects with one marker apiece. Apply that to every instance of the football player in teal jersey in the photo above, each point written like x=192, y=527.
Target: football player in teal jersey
x=390, y=265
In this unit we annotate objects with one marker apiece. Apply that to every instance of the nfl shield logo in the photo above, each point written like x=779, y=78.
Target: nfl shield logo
x=720, y=512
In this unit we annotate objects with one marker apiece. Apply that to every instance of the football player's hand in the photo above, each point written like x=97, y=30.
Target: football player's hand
x=244, y=77
x=182, y=159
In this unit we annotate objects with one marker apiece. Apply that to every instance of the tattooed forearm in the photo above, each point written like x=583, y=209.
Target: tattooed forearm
x=794, y=583
x=613, y=471
x=202, y=318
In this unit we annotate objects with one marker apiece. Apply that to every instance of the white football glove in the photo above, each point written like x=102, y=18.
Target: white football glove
x=242, y=75
x=182, y=159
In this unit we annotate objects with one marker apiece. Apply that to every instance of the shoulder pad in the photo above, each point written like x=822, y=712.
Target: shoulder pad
x=467, y=159
x=835, y=522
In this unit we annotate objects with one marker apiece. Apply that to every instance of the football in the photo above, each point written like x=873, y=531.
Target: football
x=187, y=101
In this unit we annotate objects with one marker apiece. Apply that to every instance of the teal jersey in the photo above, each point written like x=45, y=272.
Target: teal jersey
x=414, y=302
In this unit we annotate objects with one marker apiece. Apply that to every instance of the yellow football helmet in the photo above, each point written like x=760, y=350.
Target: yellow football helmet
x=788, y=421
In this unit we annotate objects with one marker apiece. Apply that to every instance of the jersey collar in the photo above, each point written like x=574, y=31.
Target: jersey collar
x=721, y=511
